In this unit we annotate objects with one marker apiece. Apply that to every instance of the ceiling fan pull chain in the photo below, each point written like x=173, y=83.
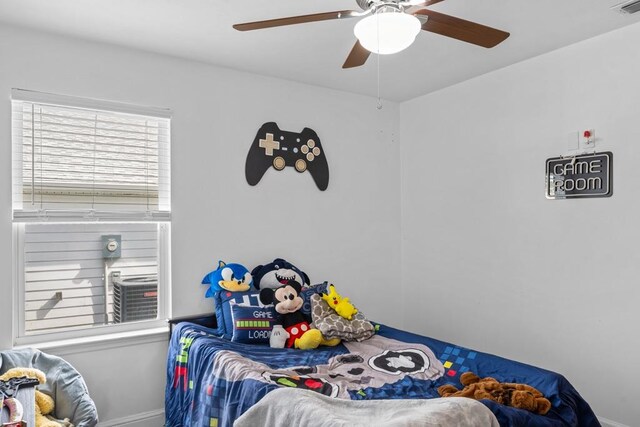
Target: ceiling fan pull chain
x=379, y=106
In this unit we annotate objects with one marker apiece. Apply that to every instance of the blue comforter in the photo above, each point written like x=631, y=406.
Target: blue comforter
x=212, y=381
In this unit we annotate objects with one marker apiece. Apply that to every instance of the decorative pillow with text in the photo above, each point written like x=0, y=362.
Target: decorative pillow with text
x=252, y=324
x=224, y=300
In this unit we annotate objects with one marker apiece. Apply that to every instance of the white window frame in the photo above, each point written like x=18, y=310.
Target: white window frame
x=98, y=332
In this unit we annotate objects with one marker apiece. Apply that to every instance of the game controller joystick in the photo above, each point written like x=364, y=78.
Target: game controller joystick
x=277, y=148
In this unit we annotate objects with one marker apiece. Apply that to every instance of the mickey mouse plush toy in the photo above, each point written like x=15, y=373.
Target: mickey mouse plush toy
x=287, y=302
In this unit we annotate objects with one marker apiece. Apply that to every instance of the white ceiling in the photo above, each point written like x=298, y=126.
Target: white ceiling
x=313, y=53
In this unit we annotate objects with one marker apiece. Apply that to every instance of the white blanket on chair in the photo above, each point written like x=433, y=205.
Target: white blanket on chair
x=289, y=407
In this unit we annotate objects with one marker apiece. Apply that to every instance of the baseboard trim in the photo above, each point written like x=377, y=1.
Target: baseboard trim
x=143, y=419
x=608, y=423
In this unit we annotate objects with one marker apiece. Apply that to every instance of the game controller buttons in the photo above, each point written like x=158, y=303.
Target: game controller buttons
x=269, y=144
x=310, y=150
x=301, y=165
x=279, y=163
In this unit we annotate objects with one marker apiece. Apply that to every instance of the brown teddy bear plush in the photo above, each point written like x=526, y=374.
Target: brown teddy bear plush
x=521, y=396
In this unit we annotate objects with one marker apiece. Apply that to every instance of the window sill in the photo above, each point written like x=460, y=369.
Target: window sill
x=102, y=342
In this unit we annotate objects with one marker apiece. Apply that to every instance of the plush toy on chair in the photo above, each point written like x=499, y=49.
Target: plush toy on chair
x=287, y=303
x=44, y=403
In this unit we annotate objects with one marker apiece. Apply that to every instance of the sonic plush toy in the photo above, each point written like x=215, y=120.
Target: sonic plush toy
x=230, y=277
x=278, y=273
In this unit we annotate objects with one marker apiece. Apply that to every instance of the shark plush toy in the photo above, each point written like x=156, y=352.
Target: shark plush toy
x=230, y=277
x=276, y=274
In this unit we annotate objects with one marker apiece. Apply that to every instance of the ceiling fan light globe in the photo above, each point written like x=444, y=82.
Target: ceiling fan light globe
x=386, y=33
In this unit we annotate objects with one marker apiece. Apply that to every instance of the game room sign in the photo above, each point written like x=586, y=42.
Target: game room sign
x=587, y=175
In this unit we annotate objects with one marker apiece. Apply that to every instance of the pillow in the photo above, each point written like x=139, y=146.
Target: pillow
x=223, y=302
x=252, y=325
x=306, y=294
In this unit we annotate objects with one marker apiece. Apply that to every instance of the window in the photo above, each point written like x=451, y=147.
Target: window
x=91, y=216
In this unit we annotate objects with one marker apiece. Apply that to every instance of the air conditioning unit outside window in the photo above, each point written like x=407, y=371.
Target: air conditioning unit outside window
x=135, y=298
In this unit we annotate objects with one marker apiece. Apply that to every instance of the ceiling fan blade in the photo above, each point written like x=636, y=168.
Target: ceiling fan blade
x=460, y=29
x=280, y=22
x=422, y=2
x=414, y=5
x=357, y=57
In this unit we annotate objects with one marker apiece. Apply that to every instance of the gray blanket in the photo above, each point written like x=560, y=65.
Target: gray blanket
x=332, y=325
x=290, y=407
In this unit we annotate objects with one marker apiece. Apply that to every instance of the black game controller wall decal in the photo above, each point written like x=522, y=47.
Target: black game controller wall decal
x=277, y=148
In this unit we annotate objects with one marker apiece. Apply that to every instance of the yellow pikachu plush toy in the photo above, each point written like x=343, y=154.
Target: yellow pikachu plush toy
x=342, y=306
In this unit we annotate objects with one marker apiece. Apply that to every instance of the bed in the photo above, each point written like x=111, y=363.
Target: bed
x=212, y=381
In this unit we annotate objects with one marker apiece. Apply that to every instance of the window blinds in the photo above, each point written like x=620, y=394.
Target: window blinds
x=82, y=160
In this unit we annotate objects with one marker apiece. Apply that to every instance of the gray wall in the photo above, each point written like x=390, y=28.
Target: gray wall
x=491, y=264
x=347, y=234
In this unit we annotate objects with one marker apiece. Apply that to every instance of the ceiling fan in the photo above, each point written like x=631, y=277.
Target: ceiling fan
x=388, y=26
